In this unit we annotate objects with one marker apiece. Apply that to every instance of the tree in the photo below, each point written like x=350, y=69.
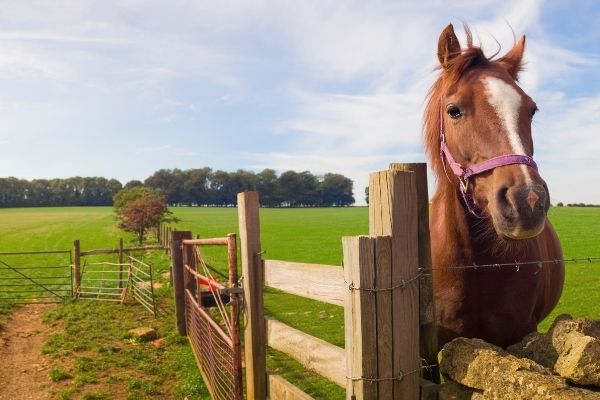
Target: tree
x=298, y=189
x=140, y=209
x=196, y=185
x=219, y=188
x=169, y=183
x=133, y=183
x=336, y=190
x=267, y=185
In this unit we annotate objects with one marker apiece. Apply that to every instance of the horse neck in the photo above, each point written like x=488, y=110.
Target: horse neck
x=450, y=221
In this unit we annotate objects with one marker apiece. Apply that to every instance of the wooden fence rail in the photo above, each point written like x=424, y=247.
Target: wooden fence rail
x=314, y=353
x=315, y=281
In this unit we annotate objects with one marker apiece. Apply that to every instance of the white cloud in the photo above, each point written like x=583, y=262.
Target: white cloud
x=343, y=83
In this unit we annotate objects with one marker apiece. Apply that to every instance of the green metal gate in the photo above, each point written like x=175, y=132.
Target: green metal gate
x=36, y=277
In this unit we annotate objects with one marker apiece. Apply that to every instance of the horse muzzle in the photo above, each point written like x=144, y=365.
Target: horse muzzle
x=520, y=211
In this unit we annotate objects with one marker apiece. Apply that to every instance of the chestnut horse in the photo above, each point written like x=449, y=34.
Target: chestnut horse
x=491, y=203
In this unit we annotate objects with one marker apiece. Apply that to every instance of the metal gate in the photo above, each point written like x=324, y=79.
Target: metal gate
x=212, y=318
x=103, y=281
x=109, y=281
x=141, y=284
x=36, y=277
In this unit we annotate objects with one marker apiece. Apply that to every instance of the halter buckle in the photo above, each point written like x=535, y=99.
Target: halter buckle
x=464, y=184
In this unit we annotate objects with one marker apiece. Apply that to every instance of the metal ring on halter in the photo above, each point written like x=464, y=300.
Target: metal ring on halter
x=464, y=184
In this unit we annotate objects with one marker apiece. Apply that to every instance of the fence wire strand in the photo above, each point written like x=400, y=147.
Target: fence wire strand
x=515, y=264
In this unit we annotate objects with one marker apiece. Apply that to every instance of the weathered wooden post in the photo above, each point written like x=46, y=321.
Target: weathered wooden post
x=177, y=274
x=393, y=212
x=168, y=238
x=428, y=335
x=190, y=283
x=253, y=272
x=367, y=317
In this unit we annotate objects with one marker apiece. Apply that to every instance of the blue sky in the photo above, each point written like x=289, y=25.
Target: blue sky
x=121, y=89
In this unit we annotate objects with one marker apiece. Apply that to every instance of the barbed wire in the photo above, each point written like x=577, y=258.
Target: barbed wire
x=424, y=271
x=401, y=375
x=397, y=378
x=516, y=264
x=401, y=285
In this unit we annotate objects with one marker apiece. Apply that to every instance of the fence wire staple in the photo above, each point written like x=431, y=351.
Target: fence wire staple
x=397, y=378
x=402, y=285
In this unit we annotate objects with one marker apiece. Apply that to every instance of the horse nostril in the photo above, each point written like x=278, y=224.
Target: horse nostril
x=504, y=202
x=532, y=198
x=502, y=195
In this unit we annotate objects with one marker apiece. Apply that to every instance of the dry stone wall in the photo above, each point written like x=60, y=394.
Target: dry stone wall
x=542, y=366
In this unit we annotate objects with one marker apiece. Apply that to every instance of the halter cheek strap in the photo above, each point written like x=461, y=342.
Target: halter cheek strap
x=465, y=173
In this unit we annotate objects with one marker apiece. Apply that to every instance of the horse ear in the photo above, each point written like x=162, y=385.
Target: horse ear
x=513, y=60
x=448, y=46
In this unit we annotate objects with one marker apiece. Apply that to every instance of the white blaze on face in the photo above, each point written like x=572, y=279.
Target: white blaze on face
x=507, y=102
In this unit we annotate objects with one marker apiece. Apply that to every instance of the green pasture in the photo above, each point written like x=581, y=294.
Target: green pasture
x=306, y=235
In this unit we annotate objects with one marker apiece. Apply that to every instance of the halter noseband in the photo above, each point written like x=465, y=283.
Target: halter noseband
x=464, y=174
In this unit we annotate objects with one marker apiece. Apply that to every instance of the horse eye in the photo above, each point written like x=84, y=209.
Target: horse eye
x=453, y=111
x=534, y=111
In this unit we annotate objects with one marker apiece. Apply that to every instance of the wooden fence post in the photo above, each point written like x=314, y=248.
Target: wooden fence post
x=77, y=266
x=177, y=274
x=367, y=318
x=428, y=335
x=190, y=283
x=253, y=273
x=393, y=212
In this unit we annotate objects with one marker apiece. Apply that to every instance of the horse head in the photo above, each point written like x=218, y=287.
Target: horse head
x=478, y=134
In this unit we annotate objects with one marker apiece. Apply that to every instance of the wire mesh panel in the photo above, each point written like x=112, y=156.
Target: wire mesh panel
x=212, y=319
x=35, y=277
x=213, y=350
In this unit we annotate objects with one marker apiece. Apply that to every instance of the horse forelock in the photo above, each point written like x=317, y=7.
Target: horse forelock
x=469, y=58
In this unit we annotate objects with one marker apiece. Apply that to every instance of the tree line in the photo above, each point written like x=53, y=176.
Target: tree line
x=192, y=187
x=75, y=191
x=219, y=188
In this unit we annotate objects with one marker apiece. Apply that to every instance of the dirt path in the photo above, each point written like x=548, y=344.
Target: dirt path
x=24, y=371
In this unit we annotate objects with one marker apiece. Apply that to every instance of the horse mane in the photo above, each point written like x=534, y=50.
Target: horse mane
x=470, y=57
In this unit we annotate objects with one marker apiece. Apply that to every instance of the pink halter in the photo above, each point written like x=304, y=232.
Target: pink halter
x=464, y=174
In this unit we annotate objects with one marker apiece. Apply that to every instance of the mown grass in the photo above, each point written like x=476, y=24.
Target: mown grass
x=579, y=232
x=92, y=355
x=307, y=235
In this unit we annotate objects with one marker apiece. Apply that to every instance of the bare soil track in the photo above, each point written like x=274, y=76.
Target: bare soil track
x=24, y=371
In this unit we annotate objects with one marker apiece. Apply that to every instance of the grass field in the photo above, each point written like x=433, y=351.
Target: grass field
x=307, y=235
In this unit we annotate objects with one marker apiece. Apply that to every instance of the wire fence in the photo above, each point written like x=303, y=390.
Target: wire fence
x=424, y=271
x=516, y=264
